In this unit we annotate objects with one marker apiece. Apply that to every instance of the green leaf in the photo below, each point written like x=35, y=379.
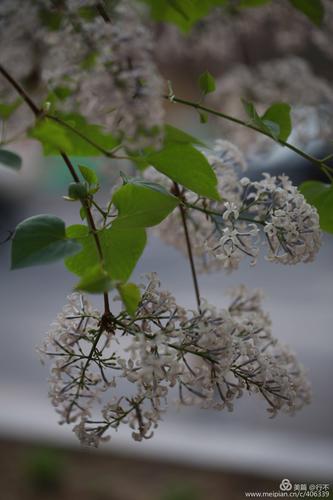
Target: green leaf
x=182, y=13
x=150, y=185
x=320, y=195
x=88, y=12
x=95, y=280
x=89, y=175
x=142, y=204
x=172, y=135
x=275, y=122
x=56, y=137
x=78, y=231
x=203, y=117
x=313, y=9
x=83, y=213
x=10, y=159
x=175, y=135
x=89, y=61
x=207, y=83
x=121, y=249
x=62, y=92
x=51, y=19
x=252, y=3
x=186, y=165
x=130, y=295
x=279, y=114
x=6, y=110
x=39, y=240
x=252, y=113
x=77, y=191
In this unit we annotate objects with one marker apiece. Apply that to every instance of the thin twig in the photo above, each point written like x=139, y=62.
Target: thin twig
x=20, y=90
x=189, y=248
x=63, y=123
x=327, y=169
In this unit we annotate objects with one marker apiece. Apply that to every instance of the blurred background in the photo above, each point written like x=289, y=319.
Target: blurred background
x=195, y=454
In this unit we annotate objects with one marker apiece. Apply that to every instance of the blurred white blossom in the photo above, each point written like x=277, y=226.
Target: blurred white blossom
x=102, y=60
x=289, y=80
x=247, y=36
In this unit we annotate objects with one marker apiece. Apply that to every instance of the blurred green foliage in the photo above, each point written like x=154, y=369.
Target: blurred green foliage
x=181, y=491
x=45, y=470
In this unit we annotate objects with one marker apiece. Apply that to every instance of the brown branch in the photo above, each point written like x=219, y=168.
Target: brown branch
x=39, y=112
x=189, y=248
x=102, y=12
x=70, y=167
x=64, y=124
x=20, y=90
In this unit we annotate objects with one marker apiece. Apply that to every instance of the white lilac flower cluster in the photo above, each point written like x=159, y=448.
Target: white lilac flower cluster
x=211, y=357
x=228, y=163
x=270, y=213
x=99, y=55
x=290, y=226
x=69, y=342
x=281, y=80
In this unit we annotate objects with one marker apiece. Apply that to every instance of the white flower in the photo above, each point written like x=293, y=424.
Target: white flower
x=231, y=211
x=69, y=343
x=290, y=225
x=234, y=244
x=271, y=212
x=238, y=353
x=212, y=357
